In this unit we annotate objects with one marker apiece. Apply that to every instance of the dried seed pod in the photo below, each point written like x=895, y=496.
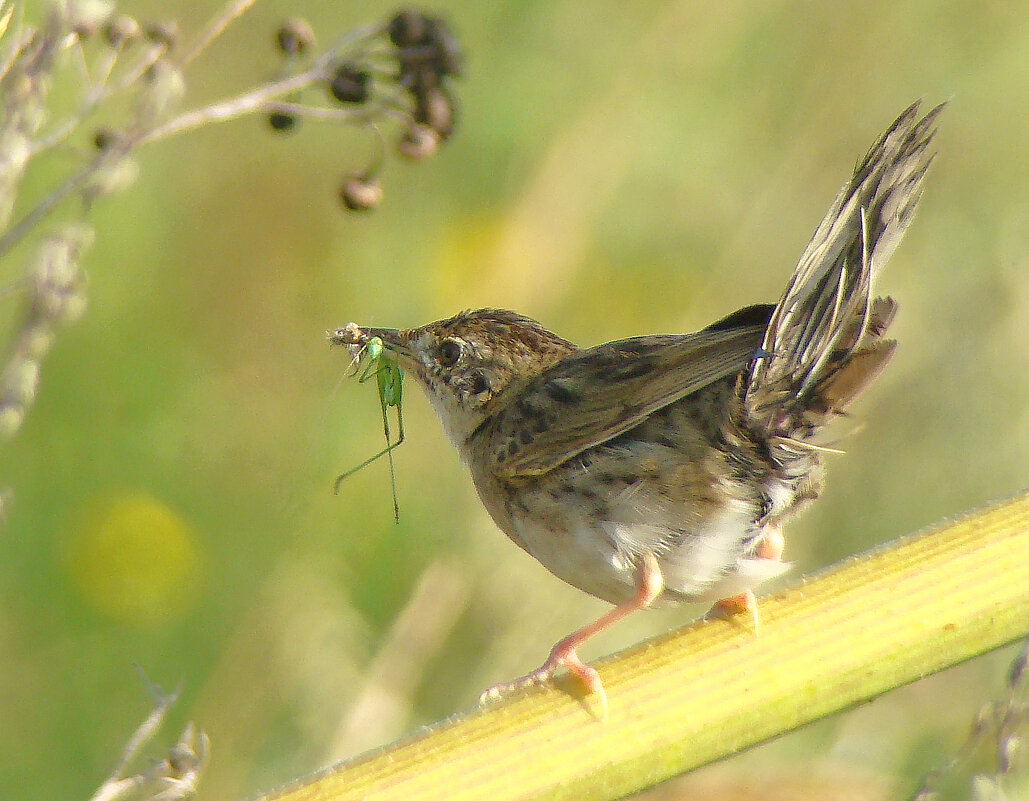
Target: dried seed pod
x=360, y=193
x=435, y=109
x=122, y=31
x=282, y=121
x=295, y=36
x=85, y=17
x=350, y=83
x=418, y=142
x=165, y=88
x=416, y=74
x=408, y=28
x=12, y=415
x=163, y=33
x=446, y=52
x=109, y=178
x=21, y=380
x=105, y=137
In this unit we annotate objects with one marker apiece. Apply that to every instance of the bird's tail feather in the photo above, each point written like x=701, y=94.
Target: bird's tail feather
x=824, y=343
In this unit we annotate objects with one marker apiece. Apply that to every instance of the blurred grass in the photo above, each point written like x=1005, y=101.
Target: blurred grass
x=618, y=169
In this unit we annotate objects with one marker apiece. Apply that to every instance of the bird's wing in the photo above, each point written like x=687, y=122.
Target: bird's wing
x=601, y=392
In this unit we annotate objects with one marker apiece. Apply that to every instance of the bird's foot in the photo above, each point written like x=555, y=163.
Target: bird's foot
x=729, y=608
x=771, y=547
x=564, y=656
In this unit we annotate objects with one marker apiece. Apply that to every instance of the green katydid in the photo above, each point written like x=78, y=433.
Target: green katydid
x=390, y=381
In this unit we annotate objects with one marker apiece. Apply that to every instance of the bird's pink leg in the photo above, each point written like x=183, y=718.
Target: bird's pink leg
x=771, y=546
x=649, y=585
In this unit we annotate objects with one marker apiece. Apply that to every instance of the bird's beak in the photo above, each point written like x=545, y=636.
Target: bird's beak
x=397, y=342
x=392, y=338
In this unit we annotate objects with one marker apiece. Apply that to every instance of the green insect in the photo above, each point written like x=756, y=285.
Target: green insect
x=390, y=381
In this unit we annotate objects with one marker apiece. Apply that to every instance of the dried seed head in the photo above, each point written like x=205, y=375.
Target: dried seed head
x=283, y=122
x=418, y=142
x=360, y=193
x=424, y=52
x=56, y=274
x=435, y=109
x=21, y=380
x=102, y=138
x=105, y=137
x=350, y=83
x=163, y=33
x=11, y=418
x=1010, y=751
x=38, y=340
x=121, y=31
x=85, y=17
x=447, y=55
x=986, y=788
x=15, y=151
x=295, y=36
x=109, y=178
x=166, y=86
x=426, y=49
x=408, y=28
x=74, y=307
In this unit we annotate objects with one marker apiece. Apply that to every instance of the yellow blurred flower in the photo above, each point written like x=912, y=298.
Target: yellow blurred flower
x=133, y=558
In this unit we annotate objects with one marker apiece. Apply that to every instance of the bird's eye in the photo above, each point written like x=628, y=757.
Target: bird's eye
x=449, y=352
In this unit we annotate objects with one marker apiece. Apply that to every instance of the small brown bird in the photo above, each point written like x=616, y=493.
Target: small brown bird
x=660, y=468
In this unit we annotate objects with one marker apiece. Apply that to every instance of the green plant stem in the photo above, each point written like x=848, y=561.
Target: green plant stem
x=866, y=626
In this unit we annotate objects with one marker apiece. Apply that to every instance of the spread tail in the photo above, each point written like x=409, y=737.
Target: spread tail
x=824, y=343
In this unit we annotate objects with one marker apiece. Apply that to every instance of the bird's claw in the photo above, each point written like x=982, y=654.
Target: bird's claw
x=559, y=658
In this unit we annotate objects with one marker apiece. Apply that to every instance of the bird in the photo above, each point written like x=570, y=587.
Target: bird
x=660, y=469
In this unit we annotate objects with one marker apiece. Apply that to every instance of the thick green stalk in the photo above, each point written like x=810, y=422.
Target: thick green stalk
x=855, y=631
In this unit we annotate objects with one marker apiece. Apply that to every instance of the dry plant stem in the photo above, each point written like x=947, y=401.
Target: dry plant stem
x=1002, y=721
x=143, y=69
x=24, y=226
x=21, y=40
x=117, y=784
x=257, y=99
x=871, y=624
x=324, y=114
x=247, y=103
x=216, y=28
x=172, y=778
x=239, y=106
x=97, y=95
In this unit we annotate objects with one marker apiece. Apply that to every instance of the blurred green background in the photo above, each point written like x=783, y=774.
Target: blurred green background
x=619, y=169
